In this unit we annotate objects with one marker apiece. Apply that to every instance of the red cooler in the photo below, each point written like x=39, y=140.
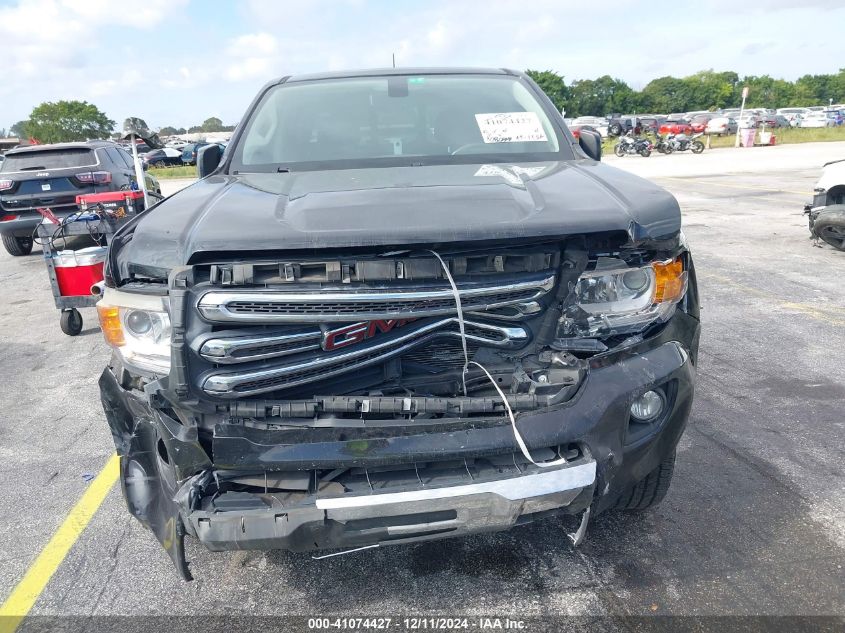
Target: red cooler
x=77, y=271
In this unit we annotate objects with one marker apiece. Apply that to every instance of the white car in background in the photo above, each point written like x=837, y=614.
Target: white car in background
x=599, y=123
x=787, y=112
x=721, y=125
x=793, y=115
x=817, y=118
x=176, y=144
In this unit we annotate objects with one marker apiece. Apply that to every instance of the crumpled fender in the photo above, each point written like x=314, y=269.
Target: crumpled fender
x=148, y=484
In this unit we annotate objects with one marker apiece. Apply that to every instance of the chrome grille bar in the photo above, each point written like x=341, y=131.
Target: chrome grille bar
x=350, y=305
x=238, y=384
x=240, y=349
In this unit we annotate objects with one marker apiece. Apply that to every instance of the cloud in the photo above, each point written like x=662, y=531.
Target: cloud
x=252, y=44
x=440, y=36
x=44, y=37
x=757, y=47
x=251, y=55
x=143, y=14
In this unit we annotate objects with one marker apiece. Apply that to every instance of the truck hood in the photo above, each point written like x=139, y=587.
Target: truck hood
x=398, y=206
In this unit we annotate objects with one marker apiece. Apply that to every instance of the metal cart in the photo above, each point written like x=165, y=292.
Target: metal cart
x=100, y=217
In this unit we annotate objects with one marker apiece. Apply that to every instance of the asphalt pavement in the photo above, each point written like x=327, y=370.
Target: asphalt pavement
x=754, y=522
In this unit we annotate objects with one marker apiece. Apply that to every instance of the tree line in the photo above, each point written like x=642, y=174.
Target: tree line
x=211, y=124
x=61, y=121
x=64, y=121
x=705, y=90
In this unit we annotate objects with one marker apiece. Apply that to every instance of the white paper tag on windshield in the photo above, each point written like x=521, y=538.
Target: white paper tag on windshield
x=510, y=127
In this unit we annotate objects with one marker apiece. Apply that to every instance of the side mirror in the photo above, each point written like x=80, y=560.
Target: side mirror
x=590, y=142
x=208, y=159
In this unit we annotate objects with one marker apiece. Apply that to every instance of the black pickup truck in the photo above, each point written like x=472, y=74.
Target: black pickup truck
x=402, y=305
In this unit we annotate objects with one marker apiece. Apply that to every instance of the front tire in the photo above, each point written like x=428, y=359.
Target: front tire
x=697, y=147
x=829, y=225
x=650, y=491
x=17, y=246
x=617, y=149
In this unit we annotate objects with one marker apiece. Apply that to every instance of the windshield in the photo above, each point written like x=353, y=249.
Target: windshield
x=397, y=120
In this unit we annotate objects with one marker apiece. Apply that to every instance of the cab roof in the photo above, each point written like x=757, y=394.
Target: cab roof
x=392, y=72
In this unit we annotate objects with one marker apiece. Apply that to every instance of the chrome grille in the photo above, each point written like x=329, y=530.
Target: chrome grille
x=298, y=372
x=348, y=304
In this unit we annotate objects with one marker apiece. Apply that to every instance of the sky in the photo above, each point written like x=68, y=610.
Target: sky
x=178, y=62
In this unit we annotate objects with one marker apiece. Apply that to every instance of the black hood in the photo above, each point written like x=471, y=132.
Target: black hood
x=398, y=206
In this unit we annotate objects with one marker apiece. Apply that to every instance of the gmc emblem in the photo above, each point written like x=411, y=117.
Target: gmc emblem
x=359, y=332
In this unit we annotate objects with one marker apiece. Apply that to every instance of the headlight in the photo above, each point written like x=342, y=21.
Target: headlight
x=619, y=300
x=138, y=328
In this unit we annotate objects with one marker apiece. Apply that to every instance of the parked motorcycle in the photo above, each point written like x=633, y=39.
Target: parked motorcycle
x=663, y=145
x=682, y=143
x=629, y=144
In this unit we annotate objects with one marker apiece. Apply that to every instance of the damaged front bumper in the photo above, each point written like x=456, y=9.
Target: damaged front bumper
x=171, y=471
x=417, y=514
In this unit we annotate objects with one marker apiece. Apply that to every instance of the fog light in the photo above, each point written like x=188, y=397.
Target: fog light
x=648, y=406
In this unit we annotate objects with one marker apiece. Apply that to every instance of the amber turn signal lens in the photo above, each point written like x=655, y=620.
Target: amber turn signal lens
x=670, y=280
x=110, y=324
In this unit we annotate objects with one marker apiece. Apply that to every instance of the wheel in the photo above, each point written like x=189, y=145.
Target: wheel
x=668, y=149
x=650, y=490
x=615, y=129
x=697, y=147
x=159, y=164
x=618, y=150
x=71, y=322
x=829, y=225
x=645, y=152
x=17, y=246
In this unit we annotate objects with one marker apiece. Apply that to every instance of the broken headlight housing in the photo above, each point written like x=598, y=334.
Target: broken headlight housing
x=615, y=299
x=138, y=328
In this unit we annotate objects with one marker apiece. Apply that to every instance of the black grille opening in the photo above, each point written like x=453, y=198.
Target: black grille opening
x=363, y=308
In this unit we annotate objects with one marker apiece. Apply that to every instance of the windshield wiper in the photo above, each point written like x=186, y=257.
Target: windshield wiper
x=33, y=168
x=282, y=170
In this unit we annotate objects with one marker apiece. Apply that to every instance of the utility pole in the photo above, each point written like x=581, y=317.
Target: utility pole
x=741, y=110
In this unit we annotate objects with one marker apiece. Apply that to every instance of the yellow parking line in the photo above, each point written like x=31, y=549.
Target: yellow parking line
x=735, y=186
x=24, y=595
